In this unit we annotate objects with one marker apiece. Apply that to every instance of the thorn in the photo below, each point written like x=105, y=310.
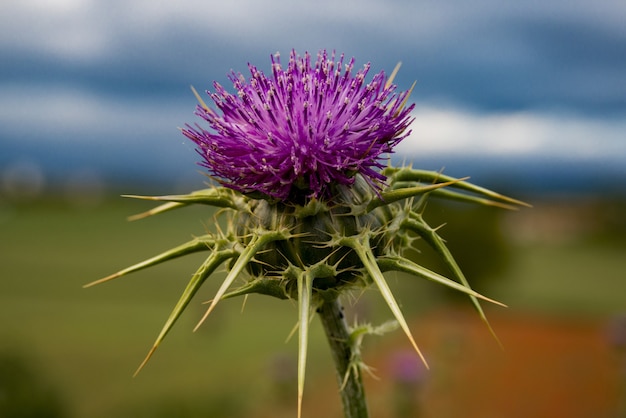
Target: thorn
x=299, y=405
x=199, y=99
x=393, y=74
x=105, y=279
x=406, y=98
x=486, y=299
x=206, y=315
x=145, y=360
x=292, y=332
x=243, y=305
x=419, y=352
x=139, y=216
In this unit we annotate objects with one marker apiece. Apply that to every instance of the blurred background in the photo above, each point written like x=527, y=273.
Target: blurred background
x=528, y=98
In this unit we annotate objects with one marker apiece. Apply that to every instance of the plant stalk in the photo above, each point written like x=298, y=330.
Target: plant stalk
x=348, y=376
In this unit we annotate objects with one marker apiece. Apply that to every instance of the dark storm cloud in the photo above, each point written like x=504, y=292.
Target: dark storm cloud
x=487, y=55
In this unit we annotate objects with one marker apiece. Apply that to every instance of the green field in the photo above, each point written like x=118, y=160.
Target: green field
x=81, y=346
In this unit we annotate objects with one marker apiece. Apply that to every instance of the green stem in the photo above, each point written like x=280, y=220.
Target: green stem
x=348, y=376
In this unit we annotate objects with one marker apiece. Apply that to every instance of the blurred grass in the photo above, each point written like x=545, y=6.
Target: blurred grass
x=88, y=342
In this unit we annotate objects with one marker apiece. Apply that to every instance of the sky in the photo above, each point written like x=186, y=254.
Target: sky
x=95, y=91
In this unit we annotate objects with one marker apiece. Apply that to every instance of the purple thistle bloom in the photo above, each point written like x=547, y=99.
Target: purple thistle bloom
x=302, y=130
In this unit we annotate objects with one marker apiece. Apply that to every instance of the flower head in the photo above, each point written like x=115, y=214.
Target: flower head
x=302, y=130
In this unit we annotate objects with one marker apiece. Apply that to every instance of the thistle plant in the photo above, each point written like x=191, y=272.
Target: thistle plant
x=312, y=209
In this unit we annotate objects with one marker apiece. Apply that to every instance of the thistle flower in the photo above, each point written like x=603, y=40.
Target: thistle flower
x=302, y=130
x=311, y=212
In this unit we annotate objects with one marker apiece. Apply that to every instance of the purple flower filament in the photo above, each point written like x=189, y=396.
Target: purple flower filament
x=302, y=130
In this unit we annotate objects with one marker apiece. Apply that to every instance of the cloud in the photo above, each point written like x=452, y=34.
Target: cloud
x=66, y=115
x=79, y=28
x=65, y=28
x=439, y=131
